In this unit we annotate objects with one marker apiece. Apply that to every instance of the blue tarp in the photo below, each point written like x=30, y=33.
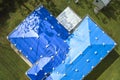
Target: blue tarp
x=89, y=45
x=56, y=54
x=40, y=35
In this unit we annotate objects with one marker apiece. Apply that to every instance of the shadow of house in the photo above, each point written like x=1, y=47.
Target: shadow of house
x=104, y=64
x=112, y=10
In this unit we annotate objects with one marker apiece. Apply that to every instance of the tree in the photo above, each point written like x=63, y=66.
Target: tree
x=7, y=6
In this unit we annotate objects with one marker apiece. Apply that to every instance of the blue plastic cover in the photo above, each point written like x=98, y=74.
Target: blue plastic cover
x=40, y=35
x=88, y=46
x=56, y=54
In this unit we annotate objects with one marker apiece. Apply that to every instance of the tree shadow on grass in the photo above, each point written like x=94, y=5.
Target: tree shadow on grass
x=104, y=64
x=7, y=6
x=112, y=10
x=51, y=6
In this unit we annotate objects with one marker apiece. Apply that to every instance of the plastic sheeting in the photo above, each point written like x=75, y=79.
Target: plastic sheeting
x=39, y=35
x=56, y=54
x=94, y=46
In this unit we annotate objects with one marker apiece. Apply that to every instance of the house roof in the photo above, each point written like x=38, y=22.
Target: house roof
x=56, y=54
x=89, y=44
x=101, y=3
x=69, y=19
x=105, y=2
x=40, y=34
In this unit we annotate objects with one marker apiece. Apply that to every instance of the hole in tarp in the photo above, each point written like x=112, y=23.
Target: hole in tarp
x=45, y=77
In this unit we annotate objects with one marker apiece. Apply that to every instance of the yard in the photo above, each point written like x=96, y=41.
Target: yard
x=12, y=67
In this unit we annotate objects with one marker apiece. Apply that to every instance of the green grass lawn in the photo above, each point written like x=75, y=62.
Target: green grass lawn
x=12, y=67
